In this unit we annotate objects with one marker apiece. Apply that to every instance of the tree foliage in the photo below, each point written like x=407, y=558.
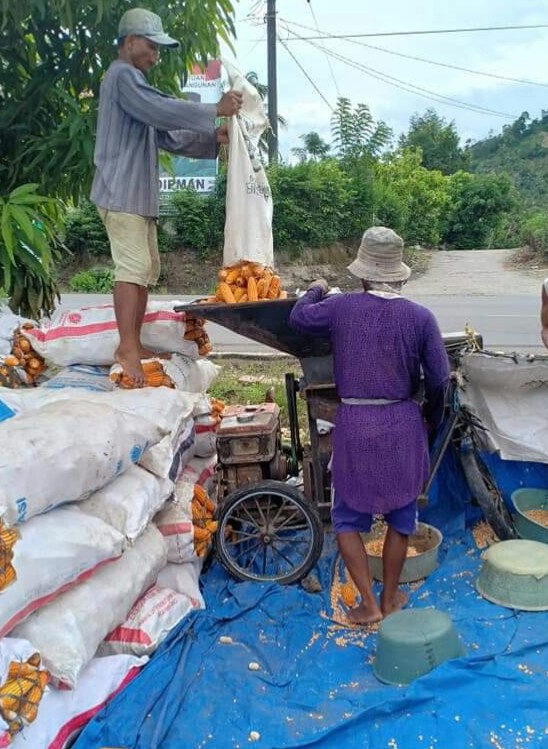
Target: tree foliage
x=437, y=140
x=355, y=133
x=313, y=148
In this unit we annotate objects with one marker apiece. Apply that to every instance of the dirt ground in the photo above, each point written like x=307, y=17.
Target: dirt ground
x=477, y=272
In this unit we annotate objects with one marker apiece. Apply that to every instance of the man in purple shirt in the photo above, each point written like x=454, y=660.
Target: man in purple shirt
x=135, y=121
x=381, y=344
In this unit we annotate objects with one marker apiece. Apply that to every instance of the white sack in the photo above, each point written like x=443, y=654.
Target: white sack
x=149, y=622
x=55, y=551
x=60, y=454
x=510, y=400
x=184, y=578
x=82, y=376
x=189, y=375
x=165, y=407
x=90, y=335
x=130, y=501
x=248, y=226
x=164, y=458
x=206, y=436
x=175, y=524
x=68, y=631
x=201, y=471
x=63, y=714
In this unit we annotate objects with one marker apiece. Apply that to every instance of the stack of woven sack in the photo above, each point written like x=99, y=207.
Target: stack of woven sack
x=88, y=584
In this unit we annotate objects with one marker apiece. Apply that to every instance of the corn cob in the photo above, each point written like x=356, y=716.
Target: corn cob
x=225, y=293
x=252, y=289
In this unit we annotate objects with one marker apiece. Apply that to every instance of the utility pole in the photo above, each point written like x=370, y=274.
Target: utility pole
x=272, y=81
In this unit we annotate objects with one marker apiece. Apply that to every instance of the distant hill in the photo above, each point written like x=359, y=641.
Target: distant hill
x=521, y=150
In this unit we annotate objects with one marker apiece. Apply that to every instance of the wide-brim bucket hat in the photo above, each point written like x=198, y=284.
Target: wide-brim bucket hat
x=142, y=22
x=380, y=256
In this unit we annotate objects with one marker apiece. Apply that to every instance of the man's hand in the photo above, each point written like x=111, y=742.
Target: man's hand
x=320, y=283
x=222, y=135
x=230, y=104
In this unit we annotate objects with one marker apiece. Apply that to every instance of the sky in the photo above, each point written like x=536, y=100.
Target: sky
x=306, y=102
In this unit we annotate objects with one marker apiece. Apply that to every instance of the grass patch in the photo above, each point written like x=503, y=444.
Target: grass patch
x=247, y=382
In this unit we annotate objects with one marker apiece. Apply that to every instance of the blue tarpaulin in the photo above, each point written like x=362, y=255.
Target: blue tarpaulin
x=315, y=685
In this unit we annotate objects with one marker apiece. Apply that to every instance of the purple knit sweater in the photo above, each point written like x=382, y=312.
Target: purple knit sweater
x=380, y=452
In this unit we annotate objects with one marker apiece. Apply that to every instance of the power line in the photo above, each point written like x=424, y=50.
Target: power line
x=303, y=71
x=409, y=87
x=326, y=57
x=424, y=31
x=422, y=59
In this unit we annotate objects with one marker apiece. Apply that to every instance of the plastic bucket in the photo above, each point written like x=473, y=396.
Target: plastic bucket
x=514, y=574
x=413, y=642
x=427, y=541
x=530, y=499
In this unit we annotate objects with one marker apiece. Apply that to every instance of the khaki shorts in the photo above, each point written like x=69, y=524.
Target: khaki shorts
x=134, y=247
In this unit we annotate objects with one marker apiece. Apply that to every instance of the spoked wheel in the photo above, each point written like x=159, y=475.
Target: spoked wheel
x=268, y=532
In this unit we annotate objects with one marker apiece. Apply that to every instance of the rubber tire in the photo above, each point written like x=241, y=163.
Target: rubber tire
x=278, y=488
x=494, y=510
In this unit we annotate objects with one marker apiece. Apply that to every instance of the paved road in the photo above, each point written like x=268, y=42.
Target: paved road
x=509, y=323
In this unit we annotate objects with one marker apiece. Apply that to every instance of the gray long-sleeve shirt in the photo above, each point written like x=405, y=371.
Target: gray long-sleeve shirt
x=135, y=120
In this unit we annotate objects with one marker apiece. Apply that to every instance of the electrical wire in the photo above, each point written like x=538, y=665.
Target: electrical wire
x=406, y=86
x=303, y=71
x=427, y=31
x=422, y=59
x=309, y=2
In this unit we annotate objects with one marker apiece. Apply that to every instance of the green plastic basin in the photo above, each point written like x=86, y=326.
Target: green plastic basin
x=514, y=574
x=413, y=642
x=530, y=499
x=427, y=541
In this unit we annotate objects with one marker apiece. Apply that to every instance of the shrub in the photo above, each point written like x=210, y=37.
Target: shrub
x=534, y=232
x=195, y=219
x=478, y=204
x=93, y=281
x=311, y=204
x=418, y=197
x=85, y=232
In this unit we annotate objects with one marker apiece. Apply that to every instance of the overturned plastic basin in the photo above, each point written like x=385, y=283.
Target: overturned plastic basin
x=531, y=500
x=412, y=643
x=424, y=545
x=514, y=574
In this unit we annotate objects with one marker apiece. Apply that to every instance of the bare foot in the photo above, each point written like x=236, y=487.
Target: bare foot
x=145, y=353
x=363, y=614
x=394, y=603
x=131, y=366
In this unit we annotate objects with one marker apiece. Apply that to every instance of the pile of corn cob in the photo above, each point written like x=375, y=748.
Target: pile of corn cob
x=21, y=693
x=8, y=539
x=23, y=365
x=203, y=512
x=247, y=282
x=195, y=331
x=155, y=376
x=217, y=409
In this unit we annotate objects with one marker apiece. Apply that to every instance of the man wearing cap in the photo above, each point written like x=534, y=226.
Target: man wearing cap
x=380, y=342
x=135, y=121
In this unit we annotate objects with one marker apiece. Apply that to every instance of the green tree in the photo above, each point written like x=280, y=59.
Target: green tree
x=314, y=148
x=355, y=133
x=52, y=58
x=437, y=140
x=417, y=196
x=477, y=205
